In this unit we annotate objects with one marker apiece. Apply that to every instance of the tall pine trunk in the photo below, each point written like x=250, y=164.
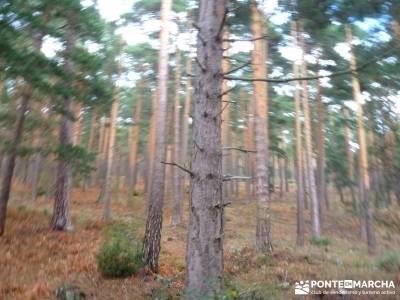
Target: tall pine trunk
x=135, y=136
x=349, y=157
x=367, y=215
x=315, y=217
x=206, y=211
x=321, y=181
x=105, y=194
x=176, y=154
x=298, y=150
x=260, y=98
x=152, y=238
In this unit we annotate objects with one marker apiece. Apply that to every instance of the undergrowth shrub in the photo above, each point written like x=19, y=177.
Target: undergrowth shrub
x=390, y=261
x=120, y=255
x=322, y=241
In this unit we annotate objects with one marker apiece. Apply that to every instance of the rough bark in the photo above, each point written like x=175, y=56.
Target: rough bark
x=363, y=161
x=298, y=151
x=177, y=175
x=135, y=136
x=260, y=98
x=315, y=217
x=206, y=207
x=152, y=238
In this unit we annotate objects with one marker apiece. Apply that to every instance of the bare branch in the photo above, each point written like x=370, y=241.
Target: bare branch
x=200, y=65
x=239, y=149
x=230, y=178
x=336, y=74
x=221, y=205
x=221, y=26
x=238, y=68
x=226, y=92
x=246, y=40
x=180, y=167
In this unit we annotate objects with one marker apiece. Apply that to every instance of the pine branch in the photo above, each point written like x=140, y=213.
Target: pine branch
x=239, y=149
x=237, y=68
x=336, y=74
x=230, y=178
x=180, y=167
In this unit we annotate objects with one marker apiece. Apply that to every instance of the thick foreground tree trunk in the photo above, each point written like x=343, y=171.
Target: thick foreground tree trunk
x=152, y=238
x=260, y=98
x=206, y=211
x=61, y=218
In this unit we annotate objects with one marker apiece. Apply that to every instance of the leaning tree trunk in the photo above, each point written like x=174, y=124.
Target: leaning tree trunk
x=152, y=238
x=12, y=155
x=315, y=217
x=363, y=160
x=135, y=136
x=176, y=154
x=206, y=211
x=299, y=150
x=16, y=139
x=105, y=194
x=61, y=217
x=260, y=98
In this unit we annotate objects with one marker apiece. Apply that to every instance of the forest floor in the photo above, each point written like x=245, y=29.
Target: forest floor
x=35, y=261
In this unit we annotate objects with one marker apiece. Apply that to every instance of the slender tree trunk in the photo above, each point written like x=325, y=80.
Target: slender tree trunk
x=186, y=111
x=260, y=98
x=152, y=238
x=363, y=161
x=250, y=145
x=91, y=144
x=78, y=124
x=206, y=225
x=11, y=157
x=349, y=156
x=299, y=148
x=177, y=174
x=225, y=130
x=135, y=136
x=315, y=218
x=321, y=181
x=105, y=195
x=151, y=143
